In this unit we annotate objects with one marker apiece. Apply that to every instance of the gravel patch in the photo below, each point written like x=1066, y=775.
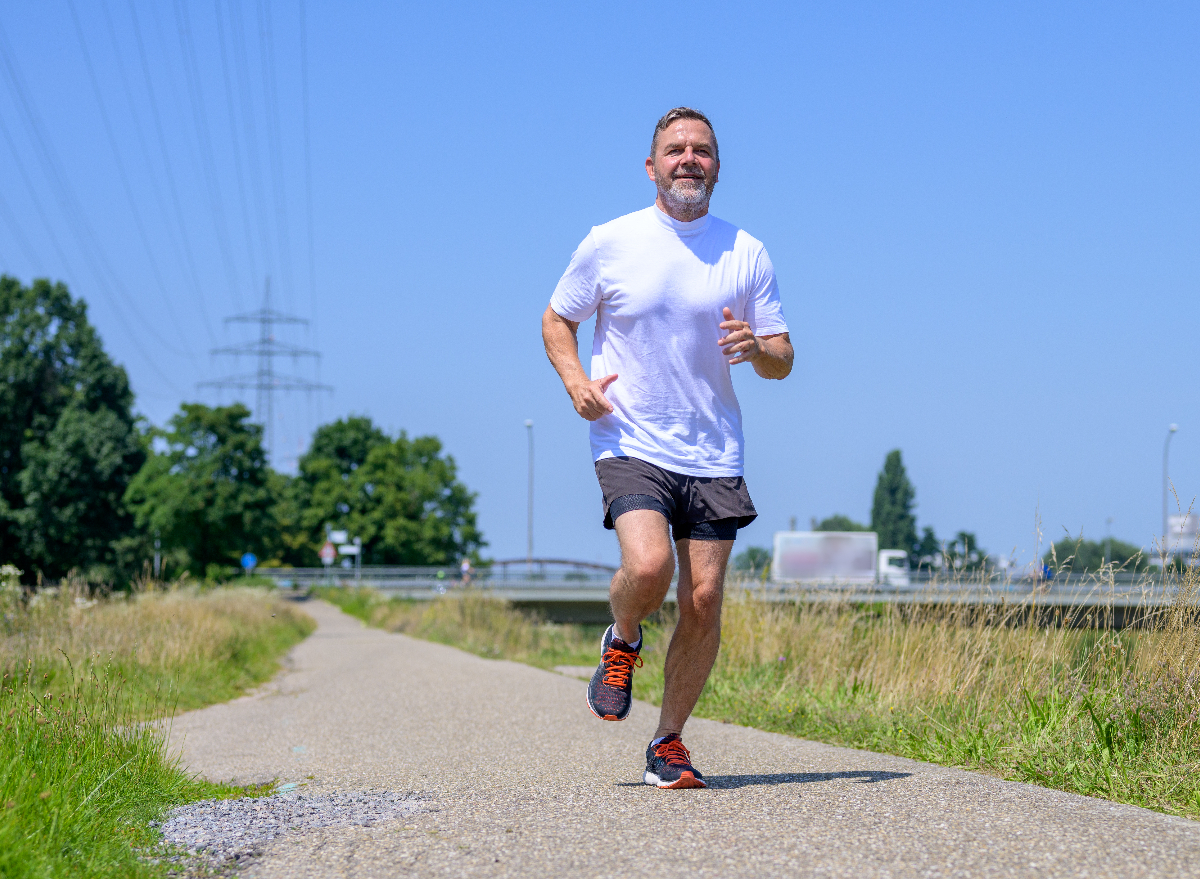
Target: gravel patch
x=224, y=831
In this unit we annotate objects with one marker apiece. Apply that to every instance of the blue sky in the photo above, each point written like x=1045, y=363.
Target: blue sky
x=985, y=220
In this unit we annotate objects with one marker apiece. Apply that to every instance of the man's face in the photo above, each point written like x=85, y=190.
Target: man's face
x=684, y=165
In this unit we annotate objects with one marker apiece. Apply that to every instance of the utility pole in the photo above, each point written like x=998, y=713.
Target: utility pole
x=1166, y=451
x=265, y=381
x=529, y=524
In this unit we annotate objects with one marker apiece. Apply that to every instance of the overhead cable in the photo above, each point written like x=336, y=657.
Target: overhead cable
x=248, y=237
x=77, y=222
x=166, y=158
x=274, y=141
x=308, y=193
x=124, y=177
x=191, y=75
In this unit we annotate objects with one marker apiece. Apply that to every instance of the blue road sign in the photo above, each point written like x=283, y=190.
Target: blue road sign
x=249, y=560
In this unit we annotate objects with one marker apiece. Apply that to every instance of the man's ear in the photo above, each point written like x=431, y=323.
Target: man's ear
x=650, y=167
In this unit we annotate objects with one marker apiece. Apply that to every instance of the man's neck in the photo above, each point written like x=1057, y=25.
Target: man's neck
x=682, y=216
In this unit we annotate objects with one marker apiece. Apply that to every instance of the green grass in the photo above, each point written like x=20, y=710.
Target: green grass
x=1105, y=713
x=82, y=774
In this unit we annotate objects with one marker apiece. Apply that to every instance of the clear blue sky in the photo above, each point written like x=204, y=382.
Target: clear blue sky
x=985, y=219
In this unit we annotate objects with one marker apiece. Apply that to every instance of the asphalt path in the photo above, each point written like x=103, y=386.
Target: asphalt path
x=516, y=778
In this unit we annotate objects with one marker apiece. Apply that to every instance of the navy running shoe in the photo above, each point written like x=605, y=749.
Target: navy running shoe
x=669, y=765
x=610, y=694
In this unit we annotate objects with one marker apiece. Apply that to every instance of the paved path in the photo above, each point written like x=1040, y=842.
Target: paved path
x=518, y=779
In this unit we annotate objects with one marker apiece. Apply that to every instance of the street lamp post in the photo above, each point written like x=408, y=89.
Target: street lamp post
x=1108, y=540
x=1166, y=450
x=529, y=523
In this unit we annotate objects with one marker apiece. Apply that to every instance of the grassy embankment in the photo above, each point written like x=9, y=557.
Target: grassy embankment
x=1098, y=711
x=81, y=776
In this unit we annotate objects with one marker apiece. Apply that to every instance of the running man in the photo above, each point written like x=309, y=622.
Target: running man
x=681, y=296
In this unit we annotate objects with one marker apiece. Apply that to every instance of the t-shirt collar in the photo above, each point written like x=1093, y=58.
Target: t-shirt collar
x=692, y=227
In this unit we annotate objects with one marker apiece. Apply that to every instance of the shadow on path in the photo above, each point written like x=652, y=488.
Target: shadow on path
x=729, y=782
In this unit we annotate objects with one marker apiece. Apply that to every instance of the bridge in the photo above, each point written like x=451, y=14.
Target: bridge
x=572, y=591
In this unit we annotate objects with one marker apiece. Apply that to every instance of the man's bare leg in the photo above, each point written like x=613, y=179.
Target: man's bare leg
x=647, y=565
x=697, y=636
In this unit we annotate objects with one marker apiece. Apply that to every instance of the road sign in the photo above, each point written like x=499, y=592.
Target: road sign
x=249, y=560
x=328, y=553
x=349, y=549
x=339, y=536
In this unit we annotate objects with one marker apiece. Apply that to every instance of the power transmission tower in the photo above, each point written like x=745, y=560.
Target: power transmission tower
x=265, y=381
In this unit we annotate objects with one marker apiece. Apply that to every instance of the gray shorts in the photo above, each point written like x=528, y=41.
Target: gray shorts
x=697, y=507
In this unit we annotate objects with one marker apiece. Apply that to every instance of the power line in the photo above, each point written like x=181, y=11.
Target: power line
x=124, y=177
x=308, y=197
x=242, y=70
x=266, y=381
x=33, y=196
x=85, y=237
x=151, y=174
x=274, y=140
x=191, y=75
x=18, y=233
x=166, y=157
x=237, y=148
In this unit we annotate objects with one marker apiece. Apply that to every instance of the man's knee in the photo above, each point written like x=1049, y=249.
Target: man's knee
x=650, y=570
x=702, y=609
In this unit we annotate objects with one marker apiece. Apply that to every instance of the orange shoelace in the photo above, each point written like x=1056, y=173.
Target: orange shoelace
x=619, y=666
x=674, y=753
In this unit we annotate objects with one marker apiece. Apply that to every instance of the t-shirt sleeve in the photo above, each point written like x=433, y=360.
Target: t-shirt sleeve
x=577, y=295
x=764, y=312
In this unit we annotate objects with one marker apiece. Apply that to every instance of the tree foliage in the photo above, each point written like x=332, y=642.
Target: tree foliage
x=964, y=552
x=401, y=496
x=892, y=516
x=69, y=445
x=929, y=549
x=754, y=560
x=838, y=522
x=1077, y=554
x=208, y=491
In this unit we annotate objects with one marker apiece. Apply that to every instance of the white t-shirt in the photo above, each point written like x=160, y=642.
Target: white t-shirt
x=658, y=286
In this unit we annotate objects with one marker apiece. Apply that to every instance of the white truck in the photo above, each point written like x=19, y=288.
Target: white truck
x=850, y=558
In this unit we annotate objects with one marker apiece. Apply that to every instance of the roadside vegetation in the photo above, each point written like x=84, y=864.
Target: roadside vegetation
x=1089, y=709
x=82, y=774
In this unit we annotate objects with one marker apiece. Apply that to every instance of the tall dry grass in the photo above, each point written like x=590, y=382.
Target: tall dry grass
x=181, y=645
x=1064, y=700
x=80, y=776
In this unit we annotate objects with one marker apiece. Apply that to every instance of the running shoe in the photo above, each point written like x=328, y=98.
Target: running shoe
x=610, y=694
x=669, y=765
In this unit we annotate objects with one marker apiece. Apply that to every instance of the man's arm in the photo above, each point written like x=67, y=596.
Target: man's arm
x=771, y=355
x=560, y=337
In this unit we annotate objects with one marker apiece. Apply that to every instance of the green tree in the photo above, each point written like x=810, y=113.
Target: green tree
x=838, y=522
x=322, y=491
x=401, y=496
x=929, y=549
x=892, y=510
x=208, y=492
x=754, y=560
x=965, y=554
x=69, y=444
x=1077, y=554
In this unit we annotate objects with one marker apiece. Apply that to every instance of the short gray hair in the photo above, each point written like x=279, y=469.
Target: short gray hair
x=682, y=113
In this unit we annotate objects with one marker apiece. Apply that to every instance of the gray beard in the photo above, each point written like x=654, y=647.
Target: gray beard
x=683, y=196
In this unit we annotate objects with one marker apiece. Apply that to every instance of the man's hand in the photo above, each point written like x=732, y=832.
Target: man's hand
x=771, y=355
x=562, y=347
x=742, y=346
x=589, y=399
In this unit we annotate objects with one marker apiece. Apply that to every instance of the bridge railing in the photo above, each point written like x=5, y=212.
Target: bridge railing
x=557, y=580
